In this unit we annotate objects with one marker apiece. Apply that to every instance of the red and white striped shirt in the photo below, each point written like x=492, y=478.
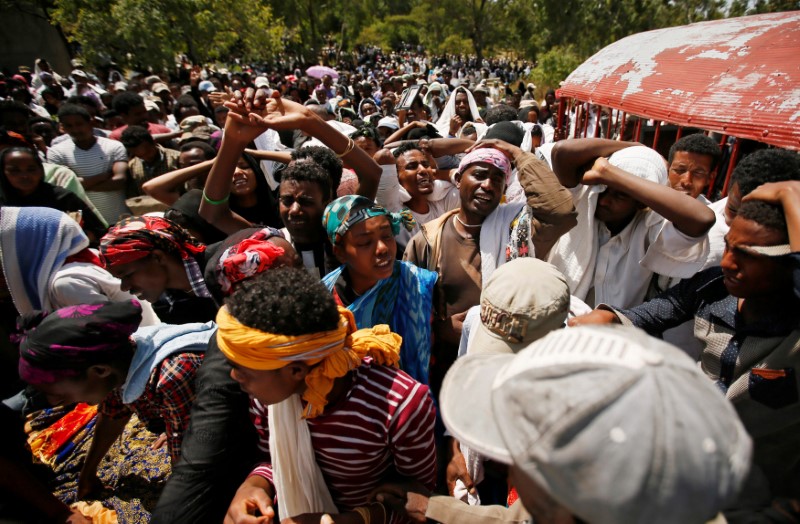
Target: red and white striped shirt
x=385, y=423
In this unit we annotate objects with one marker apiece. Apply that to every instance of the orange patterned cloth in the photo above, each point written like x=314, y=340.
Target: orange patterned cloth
x=46, y=443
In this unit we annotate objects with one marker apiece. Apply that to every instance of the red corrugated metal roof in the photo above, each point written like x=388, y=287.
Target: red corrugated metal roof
x=739, y=76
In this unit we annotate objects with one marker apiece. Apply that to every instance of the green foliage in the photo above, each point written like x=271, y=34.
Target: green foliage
x=390, y=32
x=553, y=67
x=557, y=33
x=145, y=33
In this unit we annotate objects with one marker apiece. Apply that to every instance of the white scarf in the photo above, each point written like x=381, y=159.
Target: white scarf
x=449, y=111
x=298, y=480
x=575, y=254
x=495, y=236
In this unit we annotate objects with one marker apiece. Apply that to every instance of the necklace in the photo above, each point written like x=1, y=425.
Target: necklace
x=469, y=226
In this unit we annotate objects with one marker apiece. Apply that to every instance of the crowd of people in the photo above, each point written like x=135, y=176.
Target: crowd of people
x=387, y=293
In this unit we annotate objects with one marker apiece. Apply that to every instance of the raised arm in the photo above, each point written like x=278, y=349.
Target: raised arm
x=571, y=158
x=214, y=206
x=166, y=188
x=403, y=131
x=282, y=114
x=689, y=216
x=276, y=156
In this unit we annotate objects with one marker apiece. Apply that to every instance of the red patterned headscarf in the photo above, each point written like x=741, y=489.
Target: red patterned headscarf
x=136, y=237
x=249, y=257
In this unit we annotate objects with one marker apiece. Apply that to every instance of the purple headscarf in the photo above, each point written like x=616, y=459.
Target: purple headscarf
x=69, y=340
x=487, y=155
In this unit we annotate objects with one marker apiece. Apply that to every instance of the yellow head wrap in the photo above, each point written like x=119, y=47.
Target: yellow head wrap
x=331, y=353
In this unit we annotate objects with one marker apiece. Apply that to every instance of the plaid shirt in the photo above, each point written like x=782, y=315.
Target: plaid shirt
x=169, y=395
x=755, y=366
x=142, y=172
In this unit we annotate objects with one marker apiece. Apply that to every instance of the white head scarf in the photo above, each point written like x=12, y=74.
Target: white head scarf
x=449, y=111
x=576, y=252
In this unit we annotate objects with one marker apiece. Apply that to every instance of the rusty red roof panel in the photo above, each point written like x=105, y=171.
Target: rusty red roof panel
x=739, y=76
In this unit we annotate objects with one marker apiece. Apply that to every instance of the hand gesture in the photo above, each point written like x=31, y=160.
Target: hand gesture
x=597, y=174
x=457, y=470
x=405, y=498
x=455, y=124
x=271, y=112
x=218, y=98
x=250, y=499
x=450, y=329
x=775, y=192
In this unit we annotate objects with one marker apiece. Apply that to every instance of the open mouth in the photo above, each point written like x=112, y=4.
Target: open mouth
x=482, y=199
x=383, y=264
x=729, y=279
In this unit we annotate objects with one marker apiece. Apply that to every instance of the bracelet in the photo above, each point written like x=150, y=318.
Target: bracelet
x=215, y=202
x=350, y=146
x=364, y=513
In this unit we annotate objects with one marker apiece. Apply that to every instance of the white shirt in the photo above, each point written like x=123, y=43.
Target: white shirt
x=96, y=160
x=626, y=262
x=436, y=208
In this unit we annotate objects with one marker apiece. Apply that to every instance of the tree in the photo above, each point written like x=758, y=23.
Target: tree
x=553, y=67
x=149, y=34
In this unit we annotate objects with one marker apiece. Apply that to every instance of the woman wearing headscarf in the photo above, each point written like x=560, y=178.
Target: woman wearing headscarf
x=94, y=353
x=153, y=256
x=335, y=417
x=47, y=263
x=376, y=287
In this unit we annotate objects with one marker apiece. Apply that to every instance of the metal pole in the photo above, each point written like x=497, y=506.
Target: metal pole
x=713, y=180
x=731, y=165
x=655, y=137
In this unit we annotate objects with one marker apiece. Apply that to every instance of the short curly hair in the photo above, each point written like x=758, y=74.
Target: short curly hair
x=405, y=148
x=325, y=158
x=767, y=215
x=500, y=113
x=284, y=301
x=307, y=170
x=700, y=144
x=765, y=165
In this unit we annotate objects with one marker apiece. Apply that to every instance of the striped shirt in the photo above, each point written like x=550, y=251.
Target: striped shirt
x=383, y=425
x=96, y=160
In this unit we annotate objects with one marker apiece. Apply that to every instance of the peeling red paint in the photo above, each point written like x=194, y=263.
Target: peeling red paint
x=739, y=76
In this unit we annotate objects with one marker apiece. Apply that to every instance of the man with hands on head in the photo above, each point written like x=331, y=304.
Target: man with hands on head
x=631, y=224
x=745, y=315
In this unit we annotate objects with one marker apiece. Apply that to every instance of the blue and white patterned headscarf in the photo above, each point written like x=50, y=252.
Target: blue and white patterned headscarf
x=339, y=217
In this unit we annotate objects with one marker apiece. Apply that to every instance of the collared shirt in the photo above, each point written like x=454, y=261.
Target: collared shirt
x=626, y=262
x=754, y=365
x=141, y=171
x=168, y=396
